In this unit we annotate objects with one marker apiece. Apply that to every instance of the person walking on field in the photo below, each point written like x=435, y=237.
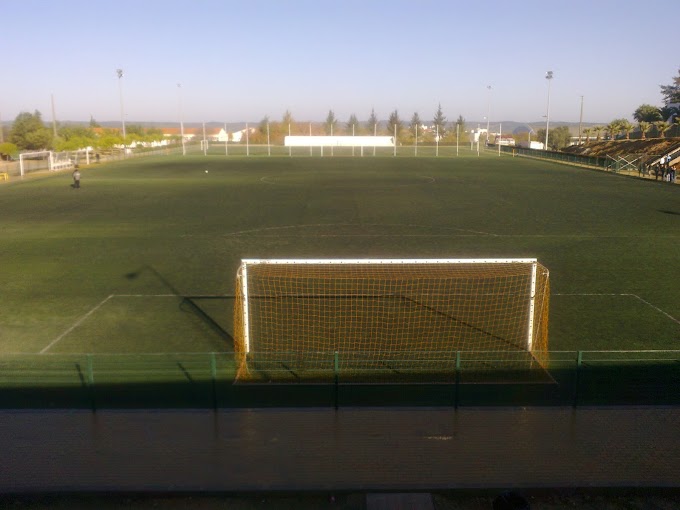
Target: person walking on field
x=76, y=178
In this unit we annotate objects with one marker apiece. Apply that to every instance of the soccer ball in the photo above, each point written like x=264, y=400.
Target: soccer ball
x=206, y=171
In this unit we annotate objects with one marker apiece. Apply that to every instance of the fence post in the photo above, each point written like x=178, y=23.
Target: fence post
x=579, y=362
x=457, y=380
x=336, y=376
x=213, y=378
x=90, y=381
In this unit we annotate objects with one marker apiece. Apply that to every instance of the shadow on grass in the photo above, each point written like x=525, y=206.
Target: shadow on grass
x=648, y=384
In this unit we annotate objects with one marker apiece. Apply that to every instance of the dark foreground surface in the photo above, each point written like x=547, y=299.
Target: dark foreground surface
x=350, y=450
x=537, y=500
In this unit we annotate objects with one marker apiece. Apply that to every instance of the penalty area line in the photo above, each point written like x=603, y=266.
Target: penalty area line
x=111, y=296
x=77, y=323
x=629, y=295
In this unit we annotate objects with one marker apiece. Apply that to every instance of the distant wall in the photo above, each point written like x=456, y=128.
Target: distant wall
x=339, y=141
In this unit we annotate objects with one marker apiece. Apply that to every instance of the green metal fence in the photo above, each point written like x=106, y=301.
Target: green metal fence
x=206, y=380
x=602, y=163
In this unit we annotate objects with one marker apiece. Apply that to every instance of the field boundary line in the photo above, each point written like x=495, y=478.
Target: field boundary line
x=626, y=294
x=76, y=324
x=317, y=225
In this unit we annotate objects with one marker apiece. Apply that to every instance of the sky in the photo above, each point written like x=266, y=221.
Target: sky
x=242, y=60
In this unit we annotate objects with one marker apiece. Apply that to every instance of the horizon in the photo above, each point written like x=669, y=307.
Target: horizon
x=230, y=60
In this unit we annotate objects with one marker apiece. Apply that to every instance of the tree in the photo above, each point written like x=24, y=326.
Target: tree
x=330, y=123
x=460, y=125
x=352, y=124
x=439, y=122
x=661, y=128
x=8, y=150
x=287, y=126
x=93, y=122
x=587, y=131
x=626, y=127
x=394, y=124
x=598, y=132
x=109, y=139
x=614, y=128
x=29, y=133
x=414, y=126
x=559, y=137
x=372, y=122
x=671, y=93
x=647, y=113
x=644, y=126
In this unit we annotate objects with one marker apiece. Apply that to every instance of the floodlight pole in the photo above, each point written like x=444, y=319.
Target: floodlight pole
x=457, y=136
x=119, y=72
x=269, y=147
x=549, y=77
x=352, y=141
x=416, y=146
x=500, y=137
x=580, y=122
x=181, y=118
x=488, y=114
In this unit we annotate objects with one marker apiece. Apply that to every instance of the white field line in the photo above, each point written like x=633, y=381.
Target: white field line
x=102, y=303
x=629, y=295
x=446, y=231
x=74, y=326
x=428, y=180
x=360, y=225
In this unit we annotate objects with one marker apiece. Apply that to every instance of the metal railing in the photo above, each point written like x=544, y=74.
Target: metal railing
x=207, y=380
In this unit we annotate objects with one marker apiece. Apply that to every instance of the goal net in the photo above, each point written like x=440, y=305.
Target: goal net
x=325, y=316
x=44, y=160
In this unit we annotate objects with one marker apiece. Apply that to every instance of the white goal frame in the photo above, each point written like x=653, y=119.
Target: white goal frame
x=55, y=161
x=243, y=273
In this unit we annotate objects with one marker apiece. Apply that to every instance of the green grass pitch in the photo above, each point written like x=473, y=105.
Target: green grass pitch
x=99, y=269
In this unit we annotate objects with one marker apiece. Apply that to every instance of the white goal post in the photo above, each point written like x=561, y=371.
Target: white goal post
x=390, y=306
x=44, y=160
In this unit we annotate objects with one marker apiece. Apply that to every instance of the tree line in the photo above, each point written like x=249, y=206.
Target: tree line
x=414, y=131
x=29, y=132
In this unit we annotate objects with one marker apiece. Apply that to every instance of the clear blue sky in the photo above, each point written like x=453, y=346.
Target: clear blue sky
x=244, y=59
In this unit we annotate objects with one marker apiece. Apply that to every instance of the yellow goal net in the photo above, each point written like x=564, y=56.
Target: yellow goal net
x=318, y=317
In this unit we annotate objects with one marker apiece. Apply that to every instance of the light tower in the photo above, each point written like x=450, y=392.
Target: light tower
x=488, y=113
x=181, y=118
x=549, y=77
x=119, y=72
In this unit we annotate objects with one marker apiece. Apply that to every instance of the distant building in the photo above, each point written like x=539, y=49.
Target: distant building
x=532, y=145
x=504, y=140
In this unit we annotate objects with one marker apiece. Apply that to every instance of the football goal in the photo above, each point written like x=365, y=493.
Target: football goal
x=324, y=316
x=44, y=160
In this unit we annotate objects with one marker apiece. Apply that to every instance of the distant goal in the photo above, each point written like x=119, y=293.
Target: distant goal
x=319, y=317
